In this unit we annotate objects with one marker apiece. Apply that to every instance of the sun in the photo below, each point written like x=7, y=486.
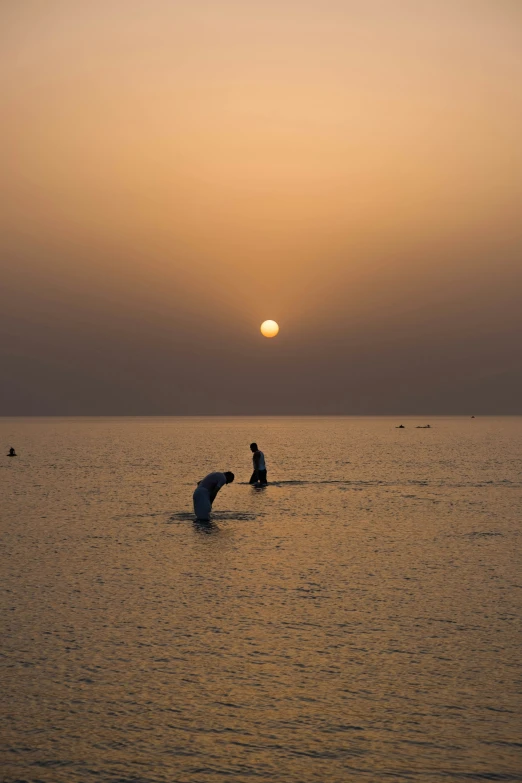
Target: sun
x=269, y=328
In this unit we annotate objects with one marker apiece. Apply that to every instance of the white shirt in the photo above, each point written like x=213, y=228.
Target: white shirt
x=213, y=482
x=261, y=457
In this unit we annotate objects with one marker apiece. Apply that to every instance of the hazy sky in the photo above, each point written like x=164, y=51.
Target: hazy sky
x=176, y=172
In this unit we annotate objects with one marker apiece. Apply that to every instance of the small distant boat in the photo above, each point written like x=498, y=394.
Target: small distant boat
x=425, y=427
x=400, y=427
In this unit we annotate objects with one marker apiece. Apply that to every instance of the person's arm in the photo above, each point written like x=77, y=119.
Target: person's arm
x=215, y=489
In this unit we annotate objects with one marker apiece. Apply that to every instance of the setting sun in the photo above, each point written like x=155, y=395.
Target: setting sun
x=269, y=328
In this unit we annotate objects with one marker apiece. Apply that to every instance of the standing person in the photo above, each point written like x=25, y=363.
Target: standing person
x=258, y=458
x=206, y=491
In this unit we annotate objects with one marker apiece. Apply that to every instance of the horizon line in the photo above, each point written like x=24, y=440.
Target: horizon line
x=249, y=415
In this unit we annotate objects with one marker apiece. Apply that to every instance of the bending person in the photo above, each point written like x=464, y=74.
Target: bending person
x=206, y=491
x=258, y=458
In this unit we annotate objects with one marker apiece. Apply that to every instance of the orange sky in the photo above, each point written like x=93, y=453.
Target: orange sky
x=175, y=173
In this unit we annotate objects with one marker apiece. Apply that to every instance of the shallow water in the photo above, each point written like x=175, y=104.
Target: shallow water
x=357, y=619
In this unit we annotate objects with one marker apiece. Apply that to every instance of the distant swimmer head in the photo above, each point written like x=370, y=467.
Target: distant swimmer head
x=253, y=447
x=12, y=452
x=229, y=476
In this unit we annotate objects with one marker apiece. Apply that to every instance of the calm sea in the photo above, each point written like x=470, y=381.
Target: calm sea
x=358, y=619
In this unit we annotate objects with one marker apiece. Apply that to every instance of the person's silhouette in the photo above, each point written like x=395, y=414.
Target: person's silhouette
x=206, y=491
x=12, y=452
x=258, y=458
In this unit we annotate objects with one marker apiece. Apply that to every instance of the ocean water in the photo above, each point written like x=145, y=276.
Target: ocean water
x=358, y=619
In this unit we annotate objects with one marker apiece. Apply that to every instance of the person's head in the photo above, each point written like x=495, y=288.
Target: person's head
x=253, y=447
x=229, y=476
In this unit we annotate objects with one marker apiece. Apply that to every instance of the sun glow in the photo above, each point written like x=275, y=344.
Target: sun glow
x=269, y=328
